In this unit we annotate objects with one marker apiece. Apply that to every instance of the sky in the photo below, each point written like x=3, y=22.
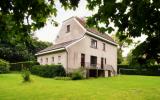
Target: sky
x=49, y=32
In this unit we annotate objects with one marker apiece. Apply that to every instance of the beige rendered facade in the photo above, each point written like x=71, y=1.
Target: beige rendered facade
x=77, y=46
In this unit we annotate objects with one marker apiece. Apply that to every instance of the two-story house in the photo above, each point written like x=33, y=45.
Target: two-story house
x=77, y=46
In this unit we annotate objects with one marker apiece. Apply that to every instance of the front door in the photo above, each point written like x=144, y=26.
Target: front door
x=102, y=63
x=83, y=60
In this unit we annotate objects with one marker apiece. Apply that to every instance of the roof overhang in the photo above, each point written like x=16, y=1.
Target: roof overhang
x=104, y=39
x=50, y=51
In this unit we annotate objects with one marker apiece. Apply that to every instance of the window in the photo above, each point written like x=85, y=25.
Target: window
x=105, y=61
x=46, y=60
x=68, y=28
x=104, y=47
x=59, y=58
x=83, y=60
x=41, y=61
x=52, y=59
x=93, y=43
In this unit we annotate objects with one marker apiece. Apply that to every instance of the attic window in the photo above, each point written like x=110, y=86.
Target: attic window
x=68, y=28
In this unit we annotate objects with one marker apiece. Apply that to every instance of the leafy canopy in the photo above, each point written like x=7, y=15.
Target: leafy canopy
x=133, y=18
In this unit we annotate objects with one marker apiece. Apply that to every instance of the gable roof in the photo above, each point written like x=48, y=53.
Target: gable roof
x=61, y=46
x=57, y=46
x=94, y=30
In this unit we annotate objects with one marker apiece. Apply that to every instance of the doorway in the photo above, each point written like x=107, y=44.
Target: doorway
x=83, y=60
x=102, y=63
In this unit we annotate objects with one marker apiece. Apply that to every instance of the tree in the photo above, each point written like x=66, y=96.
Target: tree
x=121, y=44
x=22, y=17
x=16, y=51
x=133, y=18
x=18, y=21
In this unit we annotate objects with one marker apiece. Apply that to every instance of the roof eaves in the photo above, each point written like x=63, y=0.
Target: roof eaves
x=50, y=51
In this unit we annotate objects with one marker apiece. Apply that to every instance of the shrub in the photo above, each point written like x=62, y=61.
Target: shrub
x=19, y=66
x=153, y=70
x=4, y=66
x=62, y=78
x=78, y=74
x=26, y=75
x=48, y=70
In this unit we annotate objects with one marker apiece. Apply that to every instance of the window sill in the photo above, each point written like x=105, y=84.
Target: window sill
x=94, y=47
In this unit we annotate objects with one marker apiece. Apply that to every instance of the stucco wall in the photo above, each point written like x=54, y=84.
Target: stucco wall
x=62, y=60
x=76, y=31
x=84, y=46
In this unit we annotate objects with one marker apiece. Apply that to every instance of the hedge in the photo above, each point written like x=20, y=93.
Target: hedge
x=48, y=70
x=4, y=66
x=144, y=70
x=19, y=66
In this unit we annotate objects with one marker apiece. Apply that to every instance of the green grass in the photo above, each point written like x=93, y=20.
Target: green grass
x=114, y=88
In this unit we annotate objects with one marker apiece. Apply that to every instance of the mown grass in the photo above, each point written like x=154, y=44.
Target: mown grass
x=114, y=88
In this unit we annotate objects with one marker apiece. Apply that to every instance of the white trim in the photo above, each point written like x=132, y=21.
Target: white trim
x=80, y=25
x=75, y=42
x=50, y=51
x=101, y=37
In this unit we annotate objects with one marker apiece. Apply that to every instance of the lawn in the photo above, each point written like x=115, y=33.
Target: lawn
x=114, y=88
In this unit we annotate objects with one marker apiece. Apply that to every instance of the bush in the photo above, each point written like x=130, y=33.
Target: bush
x=19, y=66
x=4, y=66
x=48, y=70
x=78, y=74
x=62, y=78
x=26, y=75
x=153, y=70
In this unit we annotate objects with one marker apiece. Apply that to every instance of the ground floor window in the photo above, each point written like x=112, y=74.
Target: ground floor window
x=93, y=61
x=83, y=60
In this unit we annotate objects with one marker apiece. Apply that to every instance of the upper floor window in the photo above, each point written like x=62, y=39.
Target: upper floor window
x=93, y=43
x=68, y=28
x=104, y=47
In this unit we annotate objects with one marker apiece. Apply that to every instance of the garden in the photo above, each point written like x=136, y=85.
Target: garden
x=30, y=81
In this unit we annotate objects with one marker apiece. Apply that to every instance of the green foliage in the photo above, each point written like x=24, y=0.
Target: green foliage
x=48, y=70
x=26, y=75
x=18, y=52
x=121, y=44
x=139, y=70
x=62, y=78
x=18, y=21
x=4, y=66
x=77, y=74
x=19, y=66
x=133, y=19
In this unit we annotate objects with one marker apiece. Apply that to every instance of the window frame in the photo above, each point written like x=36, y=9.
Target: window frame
x=94, y=43
x=68, y=29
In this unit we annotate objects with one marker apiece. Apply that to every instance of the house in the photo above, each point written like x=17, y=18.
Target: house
x=77, y=46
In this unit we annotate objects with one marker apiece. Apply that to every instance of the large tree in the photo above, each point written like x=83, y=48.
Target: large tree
x=18, y=21
x=21, y=17
x=133, y=18
x=121, y=45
